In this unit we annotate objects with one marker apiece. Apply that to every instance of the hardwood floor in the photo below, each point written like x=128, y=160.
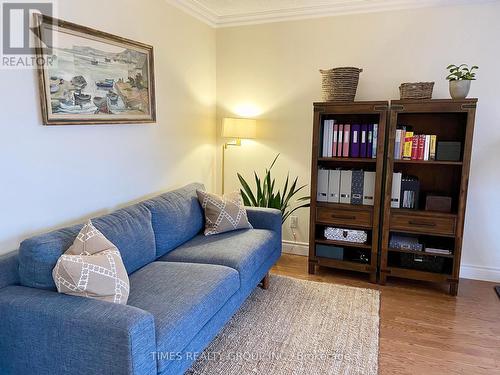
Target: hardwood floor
x=422, y=329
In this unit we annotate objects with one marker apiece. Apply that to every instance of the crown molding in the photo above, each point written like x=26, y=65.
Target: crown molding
x=203, y=13
x=197, y=10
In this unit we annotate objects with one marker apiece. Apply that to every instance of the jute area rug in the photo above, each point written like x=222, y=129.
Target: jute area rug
x=298, y=327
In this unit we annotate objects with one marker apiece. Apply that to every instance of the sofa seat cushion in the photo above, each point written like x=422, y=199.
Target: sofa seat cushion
x=244, y=250
x=182, y=297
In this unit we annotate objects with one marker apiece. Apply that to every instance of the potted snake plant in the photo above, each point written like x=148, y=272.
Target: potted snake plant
x=266, y=193
x=460, y=78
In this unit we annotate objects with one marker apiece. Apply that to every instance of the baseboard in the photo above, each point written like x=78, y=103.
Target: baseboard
x=466, y=271
x=296, y=248
x=480, y=273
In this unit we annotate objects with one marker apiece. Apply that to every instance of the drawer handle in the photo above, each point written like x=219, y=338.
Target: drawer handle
x=422, y=223
x=344, y=217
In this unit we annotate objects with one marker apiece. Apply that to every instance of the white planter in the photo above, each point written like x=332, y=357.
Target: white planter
x=459, y=89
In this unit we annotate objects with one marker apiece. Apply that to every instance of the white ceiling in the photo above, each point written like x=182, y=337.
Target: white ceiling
x=223, y=13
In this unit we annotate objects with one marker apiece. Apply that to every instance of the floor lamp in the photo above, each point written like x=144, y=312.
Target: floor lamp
x=236, y=129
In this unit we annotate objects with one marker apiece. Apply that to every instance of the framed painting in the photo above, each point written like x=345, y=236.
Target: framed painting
x=92, y=77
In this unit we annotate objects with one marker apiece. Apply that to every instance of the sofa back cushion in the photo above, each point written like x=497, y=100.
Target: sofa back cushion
x=177, y=217
x=130, y=229
x=9, y=274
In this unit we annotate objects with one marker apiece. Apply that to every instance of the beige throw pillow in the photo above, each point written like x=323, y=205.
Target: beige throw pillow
x=92, y=267
x=223, y=214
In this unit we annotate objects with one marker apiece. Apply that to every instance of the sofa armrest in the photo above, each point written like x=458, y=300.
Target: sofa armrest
x=265, y=218
x=45, y=332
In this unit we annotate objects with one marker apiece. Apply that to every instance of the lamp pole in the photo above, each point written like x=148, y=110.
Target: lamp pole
x=235, y=129
x=237, y=142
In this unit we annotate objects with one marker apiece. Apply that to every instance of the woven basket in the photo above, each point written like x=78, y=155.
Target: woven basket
x=340, y=84
x=416, y=90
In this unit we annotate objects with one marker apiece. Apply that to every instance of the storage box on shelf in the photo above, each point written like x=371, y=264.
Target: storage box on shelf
x=449, y=121
x=356, y=170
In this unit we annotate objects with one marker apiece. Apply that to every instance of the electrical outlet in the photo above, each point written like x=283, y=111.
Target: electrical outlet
x=294, y=221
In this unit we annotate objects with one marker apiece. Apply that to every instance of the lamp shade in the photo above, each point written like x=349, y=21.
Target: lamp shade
x=239, y=128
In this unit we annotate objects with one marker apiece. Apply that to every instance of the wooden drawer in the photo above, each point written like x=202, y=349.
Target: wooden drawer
x=344, y=217
x=426, y=223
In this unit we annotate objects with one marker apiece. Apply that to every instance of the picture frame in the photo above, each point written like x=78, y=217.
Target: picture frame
x=90, y=77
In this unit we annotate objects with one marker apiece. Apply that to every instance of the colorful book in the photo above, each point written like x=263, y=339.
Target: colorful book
x=347, y=134
x=408, y=145
x=362, y=144
x=335, y=135
x=403, y=135
x=330, y=138
x=427, y=146
x=397, y=145
x=414, y=147
x=324, y=152
x=432, y=148
x=355, y=130
x=421, y=147
x=375, y=140
x=369, y=141
x=340, y=140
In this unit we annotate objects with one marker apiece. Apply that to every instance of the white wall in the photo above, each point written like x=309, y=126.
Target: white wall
x=271, y=71
x=53, y=176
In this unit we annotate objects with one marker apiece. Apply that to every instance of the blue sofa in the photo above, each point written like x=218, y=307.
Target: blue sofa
x=184, y=287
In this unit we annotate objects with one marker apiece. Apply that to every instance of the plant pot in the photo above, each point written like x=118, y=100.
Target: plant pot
x=459, y=89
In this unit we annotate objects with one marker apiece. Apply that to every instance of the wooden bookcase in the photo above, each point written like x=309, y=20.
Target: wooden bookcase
x=346, y=215
x=450, y=120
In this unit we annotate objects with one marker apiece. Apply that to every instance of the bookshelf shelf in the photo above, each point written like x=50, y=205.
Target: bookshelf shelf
x=361, y=226
x=349, y=160
x=407, y=273
x=423, y=213
x=345, y=265
x=428, y=162
x=343, y=215
x=449, y=120
x=420, y=253
x=344, y=244
x=352, y=207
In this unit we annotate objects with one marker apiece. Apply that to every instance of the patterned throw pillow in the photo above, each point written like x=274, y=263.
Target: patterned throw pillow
x=223, y=214
x=92, y=267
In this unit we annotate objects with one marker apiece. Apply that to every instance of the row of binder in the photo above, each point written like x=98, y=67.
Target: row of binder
x=346, y=186
x=346, y=140
x=358, y=187
x=405, y=191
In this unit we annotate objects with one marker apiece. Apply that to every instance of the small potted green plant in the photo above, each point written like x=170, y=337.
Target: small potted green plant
x=267, y=196
x=460, y=77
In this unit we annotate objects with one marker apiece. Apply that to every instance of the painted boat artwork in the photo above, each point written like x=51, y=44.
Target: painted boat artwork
x=113, y=97
x=106, y=83
x=54, y=87
x=90, y=77
x=81, y=99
